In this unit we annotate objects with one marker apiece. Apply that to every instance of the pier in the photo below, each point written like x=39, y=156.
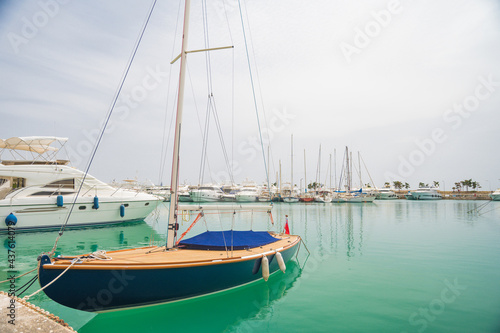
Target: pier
x=21, y=316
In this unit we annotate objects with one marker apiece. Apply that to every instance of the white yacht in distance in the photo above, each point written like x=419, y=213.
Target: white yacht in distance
x=39, y=193
x=324, y=196
x=248, y=193
x=206, y=193
x=385, y=194
x=424, y=193
x=495, y=196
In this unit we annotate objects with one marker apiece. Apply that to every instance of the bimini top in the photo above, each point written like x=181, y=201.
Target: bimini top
x=37, y=144
x=220, y=240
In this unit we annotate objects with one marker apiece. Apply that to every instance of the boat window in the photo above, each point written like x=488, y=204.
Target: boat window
x=126, y=205
x=4, y=187
x=48, y=193
x=82, y=207
x=146, y=204
x=18, y=182
x=63, y=183
x=3, y=181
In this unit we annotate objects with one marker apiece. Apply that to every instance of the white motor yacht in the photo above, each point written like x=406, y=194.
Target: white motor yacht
x=248, y=193
x=495, y=196
x=206, y=193
x=385, y=194
x=424, y=193
x=39, y=193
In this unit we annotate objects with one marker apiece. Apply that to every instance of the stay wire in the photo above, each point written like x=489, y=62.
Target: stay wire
x=259, y=85
x=103, y=129
x=164, y=143
x=253, y=92
x=221, y=139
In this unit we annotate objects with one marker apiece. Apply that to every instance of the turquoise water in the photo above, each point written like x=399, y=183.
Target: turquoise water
x=390, y=266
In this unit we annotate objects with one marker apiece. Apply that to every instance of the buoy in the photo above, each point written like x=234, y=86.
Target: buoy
x=281, y=262
x=60, y=201
x=96, y=202
x=122, y=210
x=265, y=268
x=11, y=219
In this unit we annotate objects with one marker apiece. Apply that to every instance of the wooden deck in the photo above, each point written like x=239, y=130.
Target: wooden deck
x=154, y=258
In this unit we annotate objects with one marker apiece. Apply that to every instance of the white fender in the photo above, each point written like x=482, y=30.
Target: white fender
x=265, y=268
x=281, y=262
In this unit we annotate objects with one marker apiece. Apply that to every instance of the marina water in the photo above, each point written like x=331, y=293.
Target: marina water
x=389, y=266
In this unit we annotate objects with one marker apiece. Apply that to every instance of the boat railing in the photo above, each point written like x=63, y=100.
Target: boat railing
x=125, y=189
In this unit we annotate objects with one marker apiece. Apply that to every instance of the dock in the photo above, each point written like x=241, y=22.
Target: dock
x=19, y=316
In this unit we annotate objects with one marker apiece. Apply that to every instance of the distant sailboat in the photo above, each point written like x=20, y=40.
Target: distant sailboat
x=207, y=263
x=290, y=196
x=349, y=195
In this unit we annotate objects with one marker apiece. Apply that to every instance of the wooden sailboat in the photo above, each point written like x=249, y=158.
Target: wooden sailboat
x=204, y=264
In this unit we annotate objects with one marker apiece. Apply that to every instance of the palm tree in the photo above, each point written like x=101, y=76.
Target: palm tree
x=475, y=185
x=397, y=184
x=466, y=183
x=314, y=185
x=406, y=186
x=435, y=184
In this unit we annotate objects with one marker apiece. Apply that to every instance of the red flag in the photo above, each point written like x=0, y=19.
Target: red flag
x=287, y=230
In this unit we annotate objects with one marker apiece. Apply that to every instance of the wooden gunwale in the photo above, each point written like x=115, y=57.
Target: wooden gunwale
x=128, y=260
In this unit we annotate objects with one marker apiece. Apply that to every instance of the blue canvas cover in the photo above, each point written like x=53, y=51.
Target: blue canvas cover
x=240, y=240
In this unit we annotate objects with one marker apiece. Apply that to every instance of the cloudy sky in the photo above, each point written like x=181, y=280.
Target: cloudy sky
x=414, y=86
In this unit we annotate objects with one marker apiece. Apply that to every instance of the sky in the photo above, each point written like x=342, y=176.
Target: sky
x=413, y=86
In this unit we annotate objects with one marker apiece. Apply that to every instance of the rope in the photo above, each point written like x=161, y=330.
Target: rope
x=74, y=261
x=479, y=208
x=99, y=255
x=29, y=283
x=17, y=277
x=192, y=225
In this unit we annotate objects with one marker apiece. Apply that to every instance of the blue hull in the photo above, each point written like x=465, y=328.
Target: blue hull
x=104, y=290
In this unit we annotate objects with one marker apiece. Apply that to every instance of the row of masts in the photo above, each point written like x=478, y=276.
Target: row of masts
x=345, y=181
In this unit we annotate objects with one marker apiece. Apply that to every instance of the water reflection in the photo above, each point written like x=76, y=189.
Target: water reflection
x=246, y=308
x=30, y=245
x=329, y=227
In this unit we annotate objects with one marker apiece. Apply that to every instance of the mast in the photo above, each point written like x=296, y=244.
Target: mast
x=305, y=173
x=330, y=171
x=350, y=170
x=348, y=178
x=319, y=167
x=268, y=168
x=335, y=168
x=174, y=188
x=291, y=176
x=280, y=183
x=360, y=180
